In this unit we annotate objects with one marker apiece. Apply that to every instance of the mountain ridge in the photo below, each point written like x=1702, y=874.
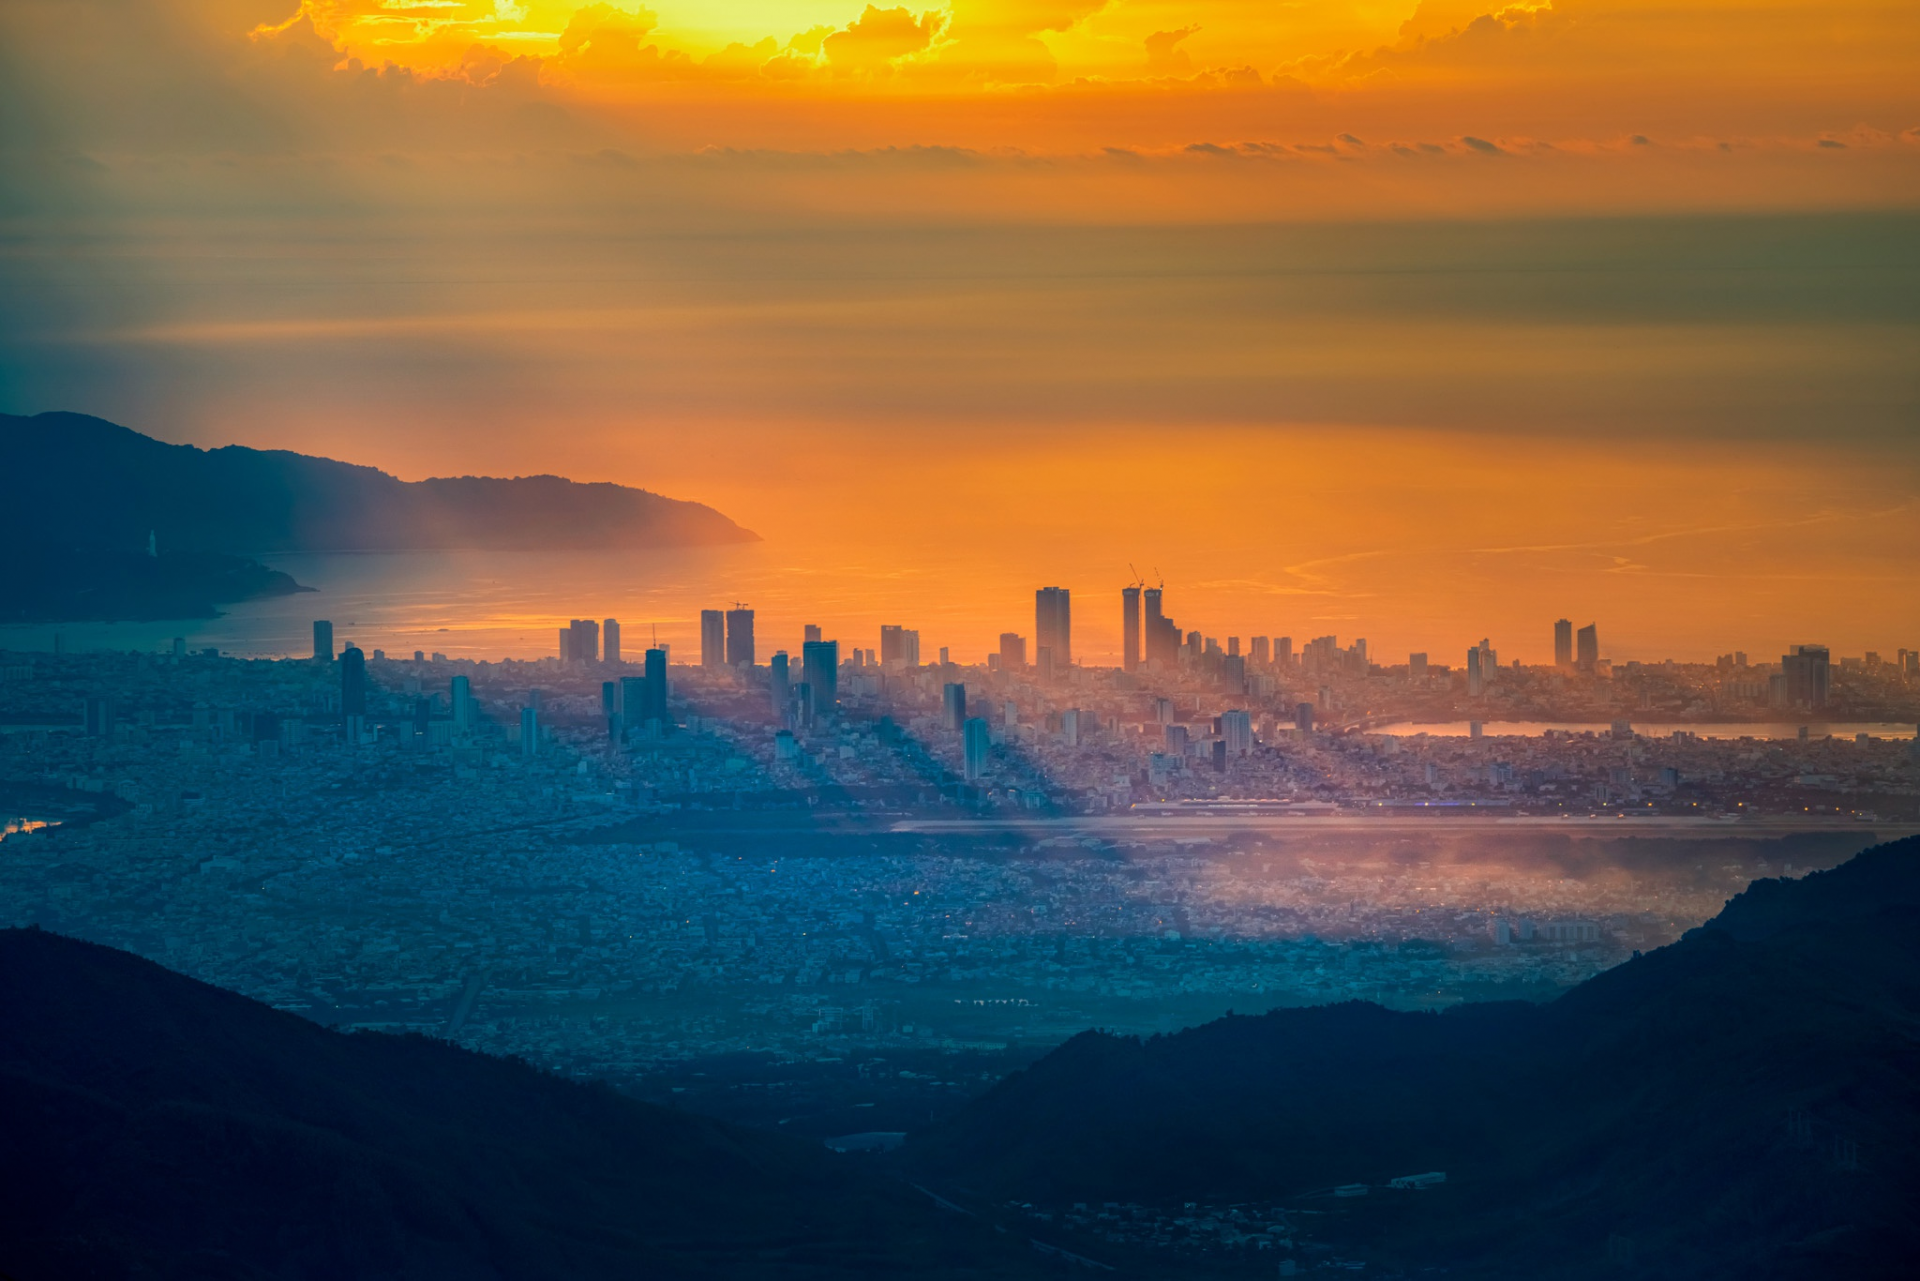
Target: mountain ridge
x=156, y=1126
x=1655, y=1102
x=240, y=500
x=113, y=525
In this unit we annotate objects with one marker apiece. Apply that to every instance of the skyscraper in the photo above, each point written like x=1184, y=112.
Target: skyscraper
x=529, y=732
x=779, y=692
x=323, y=640
x=1160, y=638
x=1053, y=625
x=610, y=640
x=1476, y=678
x=580, y=641
x=1236, y=730
x=812, y=633
x=1808, y=669
x=713, y=638
x=633, y=702
x=953, y=705
x=655, y=703
x=899, y=644
x=820, y=664
x=1261, y=649
x=1417, y=666
x=1013, y=652
x=353, y=682
x=1489, y=663
x=460, y=696
x=1129, y=628
x=1587, y=647
x=978, y=741
x=739, y=637
x=1303, y=717
x=1563, y=643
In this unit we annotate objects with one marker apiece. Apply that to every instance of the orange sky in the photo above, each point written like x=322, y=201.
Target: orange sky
x=1226, y=288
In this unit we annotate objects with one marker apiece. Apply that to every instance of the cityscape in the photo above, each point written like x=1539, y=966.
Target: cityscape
x=991, y=641
x=629, y=866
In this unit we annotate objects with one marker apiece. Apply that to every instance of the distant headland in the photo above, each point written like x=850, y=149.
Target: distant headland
x=101, y=523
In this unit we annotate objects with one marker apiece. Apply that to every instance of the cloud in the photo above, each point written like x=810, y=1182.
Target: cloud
x=810, y=40
x=1482, y=146
x=601, y=45
x=1163, y=58
x=872, y=41
x=994, y=41
x=744, y=60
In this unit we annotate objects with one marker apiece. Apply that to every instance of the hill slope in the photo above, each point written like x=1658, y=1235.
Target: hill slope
x=76, y=525
x=154, y=1126
x=1698, y=1101
x=102, y=484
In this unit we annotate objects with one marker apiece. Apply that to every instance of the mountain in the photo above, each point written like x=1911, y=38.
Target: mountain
x=64, y=583
x=152, y=1126
x=98, y=483
x=77, y=529
x=1742, y=1103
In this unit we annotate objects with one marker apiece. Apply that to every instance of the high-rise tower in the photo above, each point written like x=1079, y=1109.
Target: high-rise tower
x=353, y=682
x=739, y=636
x=953, y=705
x=820, y=665
x=1053, y=625
x=1129, y=628
x=777, y=684
x=1808, y=669
x=1587, y=647
x=655, y=707
x=977, y=746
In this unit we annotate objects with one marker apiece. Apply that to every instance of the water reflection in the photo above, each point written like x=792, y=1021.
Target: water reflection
x=1653, y=729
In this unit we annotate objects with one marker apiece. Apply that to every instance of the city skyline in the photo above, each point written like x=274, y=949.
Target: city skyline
x=782, y=641
x=1442, y=349
x=718, y=637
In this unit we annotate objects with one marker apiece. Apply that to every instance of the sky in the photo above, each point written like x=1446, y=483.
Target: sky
x=1420, y=321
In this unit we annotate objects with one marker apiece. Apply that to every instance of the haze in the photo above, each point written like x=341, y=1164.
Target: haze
x=1417, y=323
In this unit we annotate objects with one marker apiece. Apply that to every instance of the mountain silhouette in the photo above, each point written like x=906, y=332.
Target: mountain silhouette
x=1745, y=1102
x=153, y=1126
x=90, y=500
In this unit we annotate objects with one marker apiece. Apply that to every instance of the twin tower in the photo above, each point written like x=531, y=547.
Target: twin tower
x=1145, y=629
